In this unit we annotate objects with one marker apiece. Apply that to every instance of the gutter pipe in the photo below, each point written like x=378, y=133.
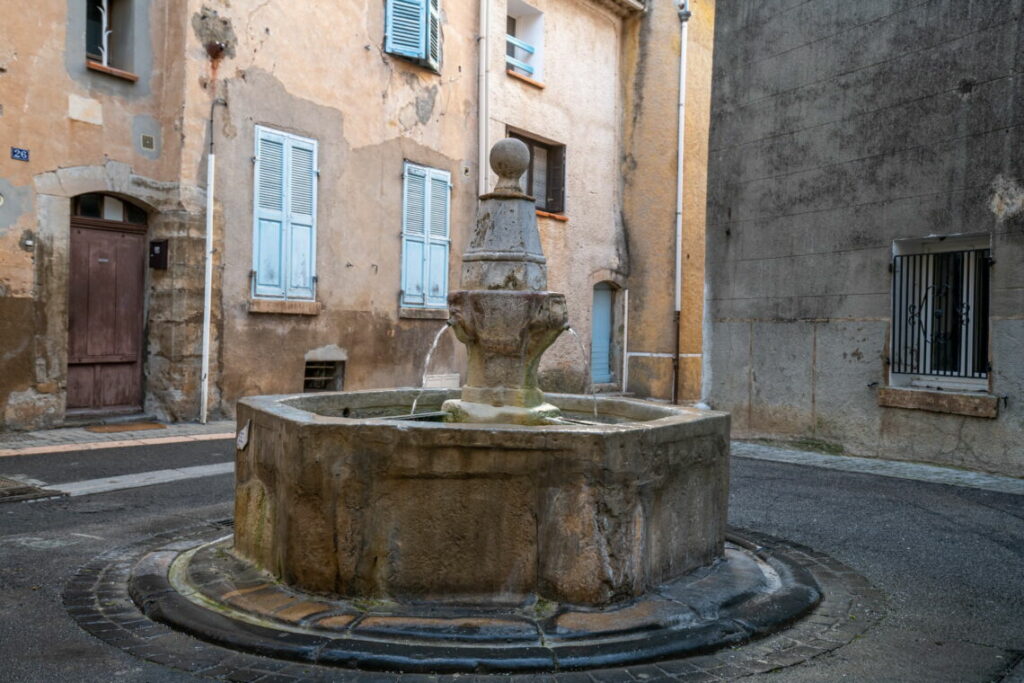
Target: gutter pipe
x=684, y=18
x=204, y=373
x=483, y=107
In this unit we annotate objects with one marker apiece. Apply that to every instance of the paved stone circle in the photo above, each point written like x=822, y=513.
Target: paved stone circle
x=98, y=599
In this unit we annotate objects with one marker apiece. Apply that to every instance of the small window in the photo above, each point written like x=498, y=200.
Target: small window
x=108, y=33
x=324, y=376
x=940, y=314
x=545, y=177
x=426, y=238
x=284, y=216
x=413, y=30
x=524, y=40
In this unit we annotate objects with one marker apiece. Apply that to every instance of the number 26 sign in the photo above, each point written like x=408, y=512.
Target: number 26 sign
x=19, y=154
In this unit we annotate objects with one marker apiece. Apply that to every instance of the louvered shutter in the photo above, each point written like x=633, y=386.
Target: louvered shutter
x=269, y=211
x=414, y=236
x=301, y=219
x=438, y=243
x=405, y=26
x=434, y=35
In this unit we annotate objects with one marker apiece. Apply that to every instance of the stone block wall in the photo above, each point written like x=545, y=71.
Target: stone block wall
x=838, y=128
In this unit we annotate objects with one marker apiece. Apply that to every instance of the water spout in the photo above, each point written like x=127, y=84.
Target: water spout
x=426, y=365
x=586, y=368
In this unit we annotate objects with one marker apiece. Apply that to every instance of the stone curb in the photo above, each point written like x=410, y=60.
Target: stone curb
x=98, y=599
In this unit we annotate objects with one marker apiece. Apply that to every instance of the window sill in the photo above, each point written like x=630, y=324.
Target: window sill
x=555, y=216
x=284, y=307
x=972, y=405
x=423, y=313
x=110, y=71
x=525, y=79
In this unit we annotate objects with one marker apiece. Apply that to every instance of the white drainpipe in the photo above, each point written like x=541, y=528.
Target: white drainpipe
x=684, y=17
x=484, y=89
x=204, y=373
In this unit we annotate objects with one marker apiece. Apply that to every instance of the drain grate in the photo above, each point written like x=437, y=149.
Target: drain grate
x=228, y=523
x=12, y=491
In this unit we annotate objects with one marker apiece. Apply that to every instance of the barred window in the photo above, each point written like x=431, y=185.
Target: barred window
x=940, y=313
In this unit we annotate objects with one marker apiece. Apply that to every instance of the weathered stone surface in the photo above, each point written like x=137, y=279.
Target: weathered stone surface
x=939, y=402
x=582, y=514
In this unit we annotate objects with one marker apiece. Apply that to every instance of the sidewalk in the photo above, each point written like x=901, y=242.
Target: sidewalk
x=81, y=438
x=883, y=468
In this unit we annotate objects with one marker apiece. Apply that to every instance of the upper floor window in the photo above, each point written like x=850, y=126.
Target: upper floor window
x=426, y=237
x=940, y=313
x=545, y=177
x=284, y=213
x=413, y=30
x=108, y=36
x=524, y=40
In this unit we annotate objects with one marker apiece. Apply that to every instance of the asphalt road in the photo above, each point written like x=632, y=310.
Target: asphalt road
x=951, y=561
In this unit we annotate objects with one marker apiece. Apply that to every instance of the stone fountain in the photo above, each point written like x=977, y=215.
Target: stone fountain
x=512, y=535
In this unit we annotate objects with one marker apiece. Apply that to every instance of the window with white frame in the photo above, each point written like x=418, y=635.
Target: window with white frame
x=524, y=40
x=108, y=33
x=940, y=302
x=412, y=29
x=426, y=238
x=284, y=216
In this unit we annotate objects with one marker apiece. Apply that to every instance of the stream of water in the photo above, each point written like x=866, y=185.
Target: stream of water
x=586, y=367
x=426, y=366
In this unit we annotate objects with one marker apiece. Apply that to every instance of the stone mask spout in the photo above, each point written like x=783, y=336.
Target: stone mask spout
x=503, y=312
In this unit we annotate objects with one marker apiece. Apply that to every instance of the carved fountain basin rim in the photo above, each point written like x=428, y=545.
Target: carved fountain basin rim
x=326, y=408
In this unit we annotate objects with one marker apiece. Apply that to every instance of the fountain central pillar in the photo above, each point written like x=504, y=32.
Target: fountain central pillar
x=503, y=313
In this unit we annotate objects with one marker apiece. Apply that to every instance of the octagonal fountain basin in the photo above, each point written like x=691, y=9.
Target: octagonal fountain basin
x=344, y=494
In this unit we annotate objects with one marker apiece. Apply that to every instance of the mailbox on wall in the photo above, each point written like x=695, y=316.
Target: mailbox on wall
x=158, y=254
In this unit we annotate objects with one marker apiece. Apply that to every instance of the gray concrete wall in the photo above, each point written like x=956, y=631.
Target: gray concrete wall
x=838, y=128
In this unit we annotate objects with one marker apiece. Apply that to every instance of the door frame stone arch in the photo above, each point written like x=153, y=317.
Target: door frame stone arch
x=170, y=211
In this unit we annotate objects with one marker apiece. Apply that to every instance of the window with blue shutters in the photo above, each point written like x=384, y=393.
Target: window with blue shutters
x=284, y=216
x=413, y=30
x=425, y=236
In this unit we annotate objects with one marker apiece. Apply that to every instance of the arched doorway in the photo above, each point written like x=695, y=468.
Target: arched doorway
x=105, y=305
x=601, y=330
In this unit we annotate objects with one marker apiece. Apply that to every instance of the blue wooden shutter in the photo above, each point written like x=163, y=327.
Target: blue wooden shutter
x=269, y=211
x=439, y=238
x=433, y=44
x=301, y=219
x=601, y=335
x=414, y=236
x=405, y=27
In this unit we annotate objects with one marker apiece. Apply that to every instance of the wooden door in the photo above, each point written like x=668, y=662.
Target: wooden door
x=105, y=317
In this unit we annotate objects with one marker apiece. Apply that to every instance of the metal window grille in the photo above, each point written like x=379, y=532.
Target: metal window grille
x=940, y=314
x=324, y=376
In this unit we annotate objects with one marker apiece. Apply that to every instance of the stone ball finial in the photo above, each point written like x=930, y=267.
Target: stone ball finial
x=509, y=158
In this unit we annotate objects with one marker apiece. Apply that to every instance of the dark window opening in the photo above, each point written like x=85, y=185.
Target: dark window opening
x=108, y=33
x=108, y=208
x=545, y=177
x=324, y=376
x=940, y=314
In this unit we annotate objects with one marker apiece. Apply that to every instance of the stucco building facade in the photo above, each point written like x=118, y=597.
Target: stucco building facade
x=348, y=143
x=865, y=229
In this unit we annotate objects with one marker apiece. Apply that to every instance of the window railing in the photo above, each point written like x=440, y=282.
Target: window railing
x=940, y=314
x=510, y=59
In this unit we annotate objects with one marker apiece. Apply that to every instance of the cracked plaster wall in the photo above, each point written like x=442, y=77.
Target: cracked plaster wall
x=368, y=110
x=838, y=128
x=83, y=130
